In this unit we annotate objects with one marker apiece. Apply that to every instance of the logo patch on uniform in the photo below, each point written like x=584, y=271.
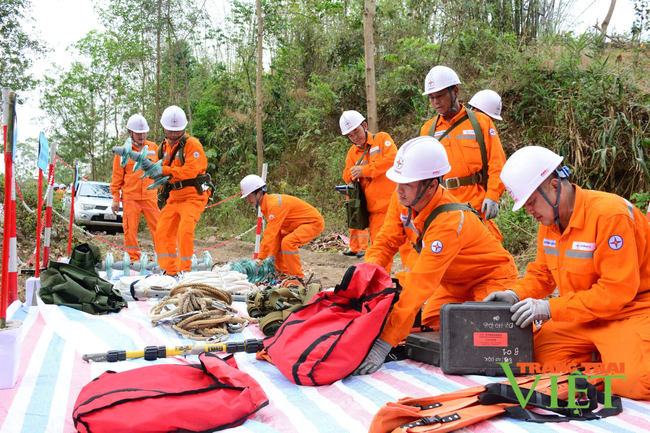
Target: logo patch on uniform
x=196, y=154
x=388, y=143
x=615, y=242
x=436, y=246
x=439, y=133
x=374, y=148
x=271, y=216
x=399, y=162
x=584, y=246
x=403, y=217
x=493, y=132
x=468, y=132
x=549, y=243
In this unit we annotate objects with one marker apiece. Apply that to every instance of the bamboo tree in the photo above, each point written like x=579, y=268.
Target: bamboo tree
x=258, y=90
x=369, y=43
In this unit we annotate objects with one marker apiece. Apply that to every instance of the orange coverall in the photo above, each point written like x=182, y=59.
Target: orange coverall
x=465, y=158
x=291, y=223
x=184, y=207
x=601, y=266
x=460, y=261
x=136, y=199
x=358, y=240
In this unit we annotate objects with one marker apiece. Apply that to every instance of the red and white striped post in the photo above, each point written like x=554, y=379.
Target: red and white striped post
x=37, y=260
x=648, y=213
x=9, y=286
x=258, y=232
x=48, y=209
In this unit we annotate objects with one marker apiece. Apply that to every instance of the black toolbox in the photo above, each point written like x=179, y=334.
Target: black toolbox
x=474, y=336
x=424, y=347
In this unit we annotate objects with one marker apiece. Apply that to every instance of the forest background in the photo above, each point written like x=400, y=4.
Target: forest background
x=585, y=96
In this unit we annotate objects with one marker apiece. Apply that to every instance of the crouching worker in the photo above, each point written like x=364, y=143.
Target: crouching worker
x=595, y=247
x=291, y=223
x=185, y=193
x=455, y=257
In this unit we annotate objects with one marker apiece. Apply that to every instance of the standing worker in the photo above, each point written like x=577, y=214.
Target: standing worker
x=368, y=160
x=291, y=223
x=183, y=198
x=455, y=257
x=472, y=145
x=358, y=243
x=487, y=102
x=136, y=199
x=595, y=248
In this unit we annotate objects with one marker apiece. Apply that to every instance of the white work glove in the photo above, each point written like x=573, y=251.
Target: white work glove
x=375, y=358
x=508, y=296
x=530, y=310
x=115, y=207
x=490, y=208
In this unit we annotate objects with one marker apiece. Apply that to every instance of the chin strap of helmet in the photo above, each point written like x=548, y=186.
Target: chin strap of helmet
x=453, y=108
x=562, y=173
x=423, y=186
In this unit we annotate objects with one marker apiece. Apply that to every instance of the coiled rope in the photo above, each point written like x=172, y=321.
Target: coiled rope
x=199, y=312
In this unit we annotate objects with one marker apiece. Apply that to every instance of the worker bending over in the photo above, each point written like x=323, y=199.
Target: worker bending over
x=136, y=199
x=185, y=195
x=291, y=223
x=457, y=257
x=595, y=248
x=472, y=145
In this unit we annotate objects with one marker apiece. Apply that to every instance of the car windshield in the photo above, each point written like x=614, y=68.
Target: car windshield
x=95, y=190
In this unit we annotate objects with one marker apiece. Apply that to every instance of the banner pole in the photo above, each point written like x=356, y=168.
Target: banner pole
x=258, y=232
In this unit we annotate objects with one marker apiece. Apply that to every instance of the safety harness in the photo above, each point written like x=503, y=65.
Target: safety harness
x=196, y=182
x=480, y=177
x=274, y=304
x=447, y=207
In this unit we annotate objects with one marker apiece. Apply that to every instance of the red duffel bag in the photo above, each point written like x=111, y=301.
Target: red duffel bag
x=328, y=338
x=208, y=396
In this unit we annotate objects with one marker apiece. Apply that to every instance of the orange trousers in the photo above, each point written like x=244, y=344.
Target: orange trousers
x=174, y=237
x=625, y=341
x=287, y=260
x=131, y=211
x=358, y=240
x=478, y=292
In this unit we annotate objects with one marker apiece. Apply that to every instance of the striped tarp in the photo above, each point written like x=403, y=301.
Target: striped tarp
x=52, y=373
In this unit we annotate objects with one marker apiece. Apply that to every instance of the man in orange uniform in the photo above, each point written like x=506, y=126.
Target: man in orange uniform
x=469, y=168
x=185, y=162
x=457, y=259
x=136, y=199
x=358, y=243
x=291, y=223
x=595, y=248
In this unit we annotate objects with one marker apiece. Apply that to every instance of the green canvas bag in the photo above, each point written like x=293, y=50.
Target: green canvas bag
x=74, y=287
x=86, y=256
x=356, y=206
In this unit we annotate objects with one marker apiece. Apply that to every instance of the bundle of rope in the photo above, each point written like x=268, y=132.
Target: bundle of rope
x=199, y=312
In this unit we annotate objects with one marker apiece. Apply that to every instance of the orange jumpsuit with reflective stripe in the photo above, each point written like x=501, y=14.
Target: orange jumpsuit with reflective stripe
x=358, y=240
x=178, y=219
x=136, y=199
x=465, y=159
x=460, y=261
x=377, y=188
x=601, y=267
x=291, y=223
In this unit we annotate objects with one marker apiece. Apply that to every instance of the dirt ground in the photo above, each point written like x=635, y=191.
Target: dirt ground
x=321, y=257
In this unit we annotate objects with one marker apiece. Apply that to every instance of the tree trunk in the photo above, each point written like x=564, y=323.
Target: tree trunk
x=369, y=42
x=258, y=91
x=612, y=5
x=158, y=30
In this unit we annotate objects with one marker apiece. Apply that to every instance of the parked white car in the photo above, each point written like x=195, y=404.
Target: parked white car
x=92, y=207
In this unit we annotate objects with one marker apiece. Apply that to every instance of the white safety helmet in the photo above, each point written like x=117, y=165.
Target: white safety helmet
x=439, y=78
x=525, y=171
x=137, y=124
x=173, y=118
x=250, y=183
x=350, y=120
x=418, y=159
x=489, y=102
